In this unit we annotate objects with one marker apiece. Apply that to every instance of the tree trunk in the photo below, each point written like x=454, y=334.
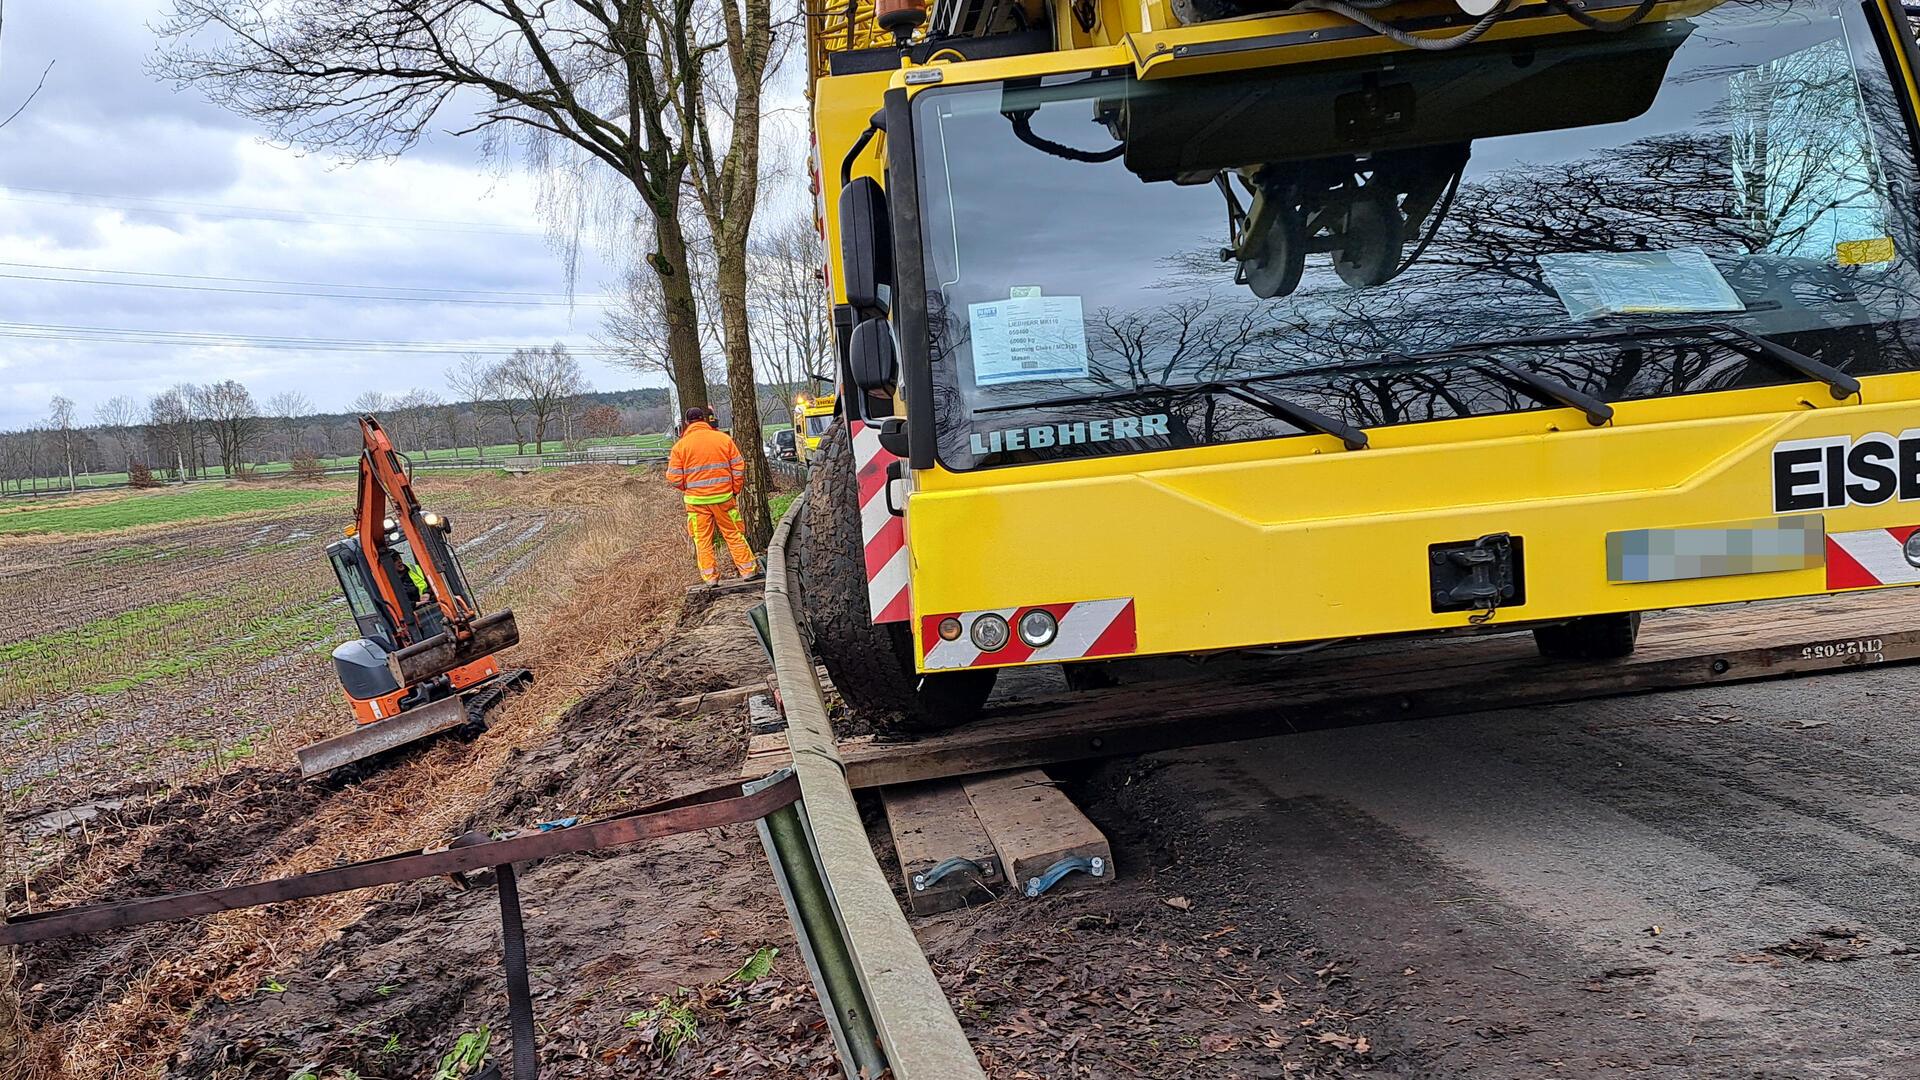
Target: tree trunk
x=683, y=315
x=744, y=393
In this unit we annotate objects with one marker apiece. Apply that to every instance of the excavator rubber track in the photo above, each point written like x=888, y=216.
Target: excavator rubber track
x=479, y=701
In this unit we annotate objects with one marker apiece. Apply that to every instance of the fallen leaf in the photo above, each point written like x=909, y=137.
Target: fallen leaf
x=1273, y=1002
x=1179, y=903
x=1411, y=971
x=1334, y=1038
x=1656, y=930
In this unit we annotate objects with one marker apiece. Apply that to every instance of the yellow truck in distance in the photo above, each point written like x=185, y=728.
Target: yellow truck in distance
x=1201, y=325
x=812, y=415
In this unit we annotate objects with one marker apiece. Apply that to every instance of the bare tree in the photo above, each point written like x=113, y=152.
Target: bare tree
x=636, y=311
x=793, y=339
x=724, y=67
x=234, y=421
x=570, y=87
x=413, y=417
x=170, y=431
x=472, y=380
x=505, y=403
x=289, y=408
x=370, y=403
x=60, y=420
x=116, y=418
x=546, y=380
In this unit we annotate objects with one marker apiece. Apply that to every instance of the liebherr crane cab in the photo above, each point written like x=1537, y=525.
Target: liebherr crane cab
x=1189, y=326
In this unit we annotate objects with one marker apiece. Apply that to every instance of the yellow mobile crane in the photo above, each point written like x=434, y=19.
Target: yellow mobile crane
x=1192, y=325
x=812, y=415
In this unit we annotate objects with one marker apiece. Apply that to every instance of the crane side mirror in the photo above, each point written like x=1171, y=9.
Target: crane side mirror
x=866, y=245
x=871, y=359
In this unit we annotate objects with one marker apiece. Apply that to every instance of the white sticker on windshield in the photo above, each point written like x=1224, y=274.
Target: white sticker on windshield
x=1597, y=284
x=1027, y=338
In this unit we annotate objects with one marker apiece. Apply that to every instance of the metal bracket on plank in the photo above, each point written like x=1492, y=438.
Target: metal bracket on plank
x=1094, y=866
x=924, y=881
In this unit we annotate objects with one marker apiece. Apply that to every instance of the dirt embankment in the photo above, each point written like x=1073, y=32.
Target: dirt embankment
x=384, y=983
x=628, y=946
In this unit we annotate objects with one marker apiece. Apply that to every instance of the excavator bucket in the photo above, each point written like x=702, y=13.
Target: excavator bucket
x=377, y=738
x=442, y=653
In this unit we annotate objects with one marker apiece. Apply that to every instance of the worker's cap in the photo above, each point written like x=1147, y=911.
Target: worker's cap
x=697, y=414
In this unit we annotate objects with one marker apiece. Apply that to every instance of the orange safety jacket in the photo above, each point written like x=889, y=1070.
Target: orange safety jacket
x=706, y=465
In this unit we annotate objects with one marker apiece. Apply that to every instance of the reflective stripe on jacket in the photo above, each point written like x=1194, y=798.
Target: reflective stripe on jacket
x=706, y=465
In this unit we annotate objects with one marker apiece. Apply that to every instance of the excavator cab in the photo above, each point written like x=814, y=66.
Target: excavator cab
x=424, y=662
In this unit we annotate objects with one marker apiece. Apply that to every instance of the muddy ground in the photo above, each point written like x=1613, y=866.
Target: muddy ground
x=1706, y=884
x=626, y=944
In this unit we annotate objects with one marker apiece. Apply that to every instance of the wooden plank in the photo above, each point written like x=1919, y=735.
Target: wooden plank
x=713, y=700
x=1033, y=825
x=931, y=823
x=770, y=746
x=1377, y=681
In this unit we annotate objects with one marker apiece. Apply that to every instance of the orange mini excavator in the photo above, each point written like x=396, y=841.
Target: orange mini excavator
x=424, y=662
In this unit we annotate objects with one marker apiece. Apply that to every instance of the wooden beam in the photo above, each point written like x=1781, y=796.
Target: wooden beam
x=1230, y=698
x=1034, y=827
x=932, y=823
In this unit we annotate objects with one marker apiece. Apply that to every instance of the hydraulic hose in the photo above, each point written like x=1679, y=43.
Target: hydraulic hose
x=1393, y=33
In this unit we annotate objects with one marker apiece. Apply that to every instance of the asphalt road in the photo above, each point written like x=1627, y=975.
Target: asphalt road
x=1589, y=889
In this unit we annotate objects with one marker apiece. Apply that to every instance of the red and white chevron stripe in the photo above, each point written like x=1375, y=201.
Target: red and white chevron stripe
x=1869, y=557
x=1087, y=629
x=882, y=532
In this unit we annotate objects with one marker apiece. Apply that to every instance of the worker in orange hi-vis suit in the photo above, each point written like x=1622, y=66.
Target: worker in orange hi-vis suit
x=707, y=468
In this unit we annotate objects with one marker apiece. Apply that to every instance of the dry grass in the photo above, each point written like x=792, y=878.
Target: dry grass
x=583, y=606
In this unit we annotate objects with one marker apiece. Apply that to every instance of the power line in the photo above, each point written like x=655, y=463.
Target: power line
x=277, y=281
x=307, y=295
x=204, y=339
x=182, y=208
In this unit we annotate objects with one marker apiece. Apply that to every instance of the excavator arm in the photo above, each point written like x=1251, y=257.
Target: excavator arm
x=386, y=504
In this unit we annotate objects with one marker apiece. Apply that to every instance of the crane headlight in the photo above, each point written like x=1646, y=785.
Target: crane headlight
x=433, y=521
x=990, y=632
x=1038, y=628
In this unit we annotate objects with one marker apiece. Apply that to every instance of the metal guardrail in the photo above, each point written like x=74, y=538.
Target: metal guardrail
x=885, y=1007
x=792, y=470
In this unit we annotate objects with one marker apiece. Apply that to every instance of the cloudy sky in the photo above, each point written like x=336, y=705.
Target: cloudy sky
x=215, y=235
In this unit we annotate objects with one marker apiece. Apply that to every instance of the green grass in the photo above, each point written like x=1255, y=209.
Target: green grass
x=104, y=635
x=152, y=508
x=777, y=505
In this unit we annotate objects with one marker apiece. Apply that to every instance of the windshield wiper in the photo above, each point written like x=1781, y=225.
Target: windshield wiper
x=1300, y=416
x=1839, y=383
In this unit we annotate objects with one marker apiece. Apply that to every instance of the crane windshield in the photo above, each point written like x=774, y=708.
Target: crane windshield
x=1333, y=229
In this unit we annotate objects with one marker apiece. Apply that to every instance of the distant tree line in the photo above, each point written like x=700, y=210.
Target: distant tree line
x=533, y=400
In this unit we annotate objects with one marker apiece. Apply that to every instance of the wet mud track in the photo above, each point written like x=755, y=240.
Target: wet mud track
x=1711, y=883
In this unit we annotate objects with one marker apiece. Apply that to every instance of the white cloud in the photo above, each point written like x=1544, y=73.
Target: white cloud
x=188, y=187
